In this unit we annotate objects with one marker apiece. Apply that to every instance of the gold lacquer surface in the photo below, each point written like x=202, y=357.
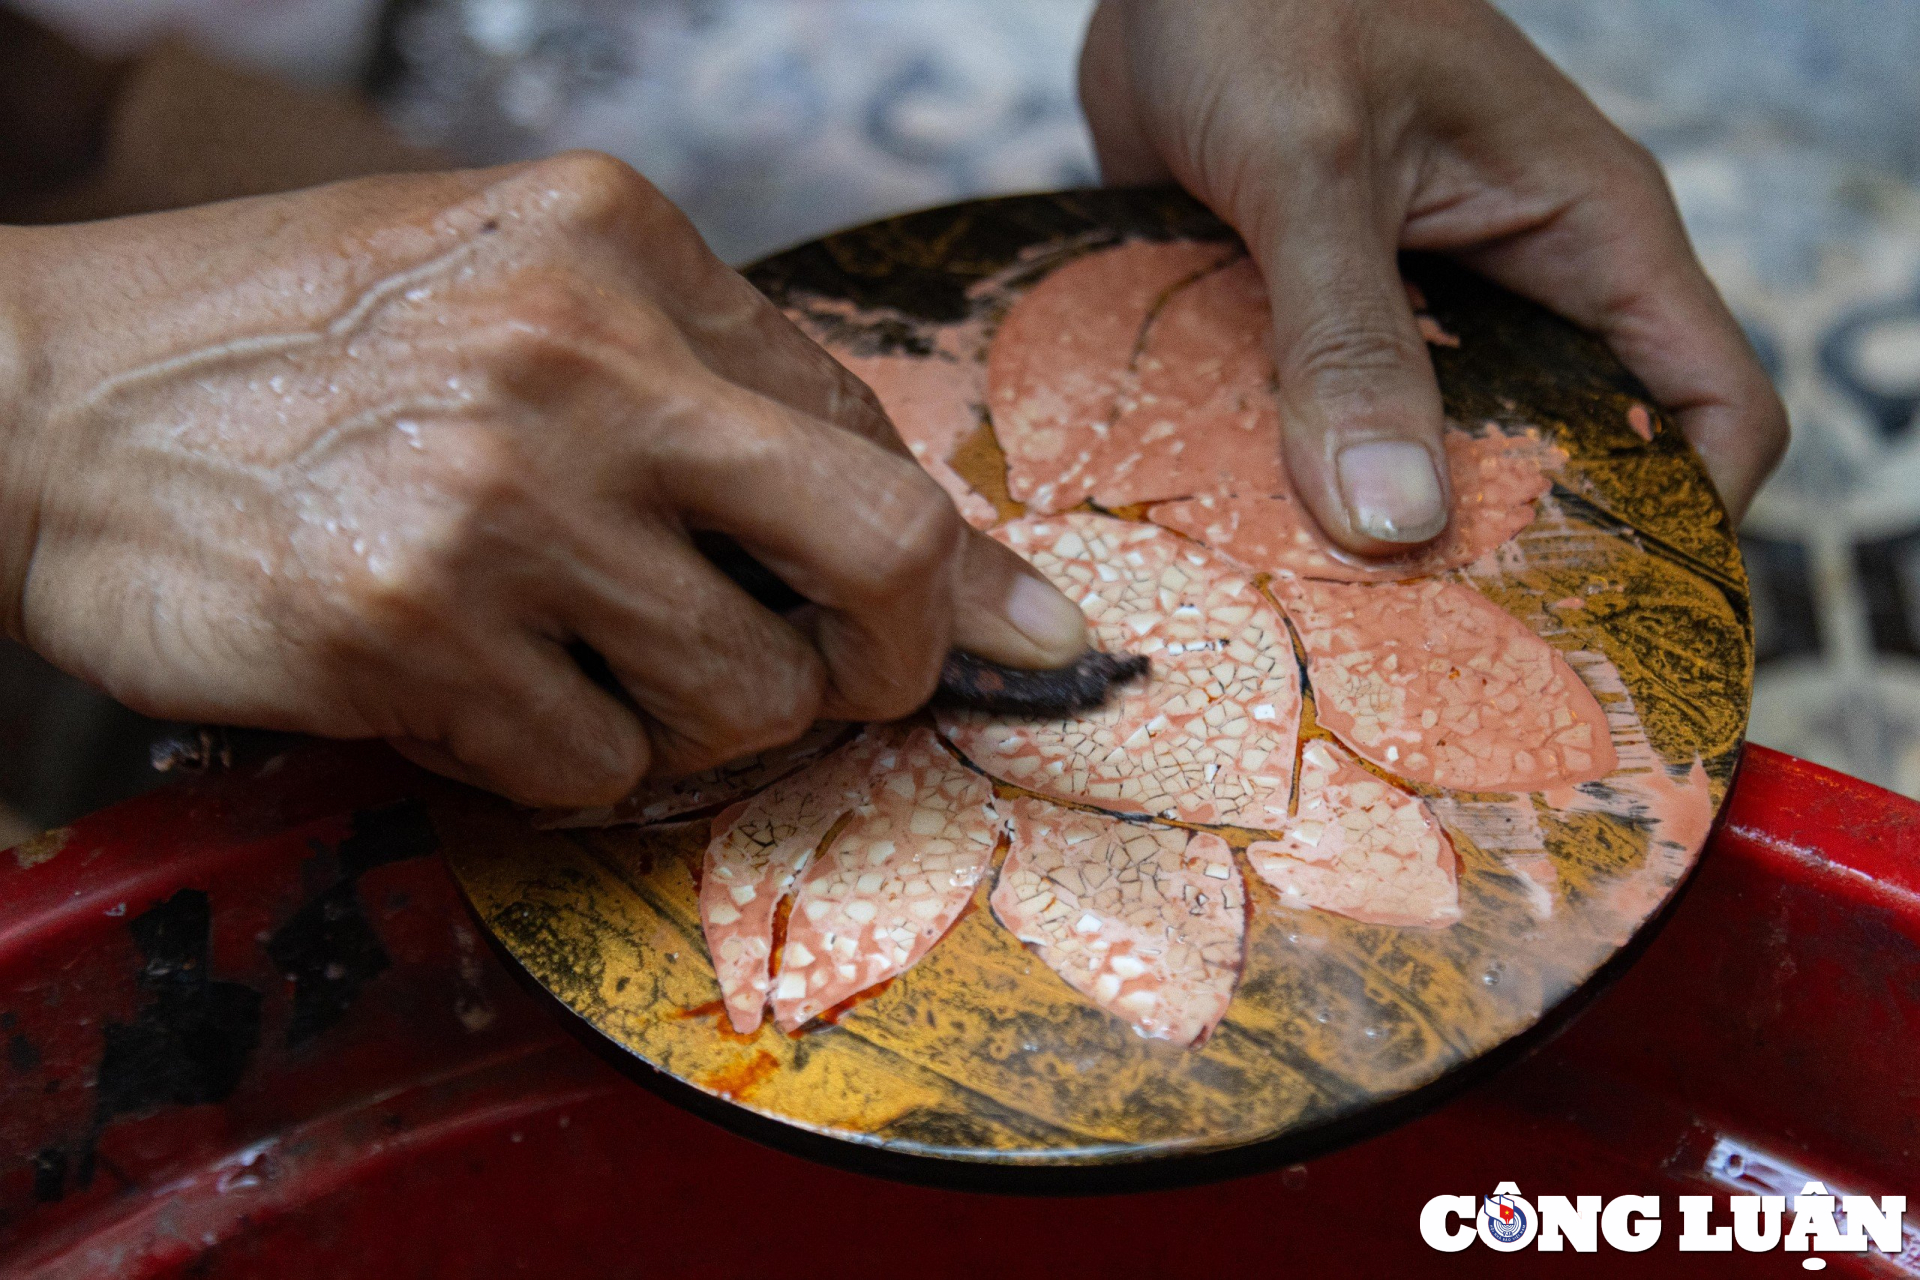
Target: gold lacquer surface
x=980, y=1052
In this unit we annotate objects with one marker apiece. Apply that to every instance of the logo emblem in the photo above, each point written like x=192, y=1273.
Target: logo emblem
x=1507, y=1221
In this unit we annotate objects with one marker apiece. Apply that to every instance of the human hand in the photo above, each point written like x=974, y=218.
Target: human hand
x=1332, y=133
x=364, y=460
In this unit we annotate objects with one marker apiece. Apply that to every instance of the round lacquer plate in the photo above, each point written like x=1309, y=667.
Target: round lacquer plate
x=1394, y=823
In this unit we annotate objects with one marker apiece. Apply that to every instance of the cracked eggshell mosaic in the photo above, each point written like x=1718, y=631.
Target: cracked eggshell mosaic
x=1493, y=906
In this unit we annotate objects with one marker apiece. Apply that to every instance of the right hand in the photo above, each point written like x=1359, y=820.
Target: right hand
x=364, y=460
x=1335, y=133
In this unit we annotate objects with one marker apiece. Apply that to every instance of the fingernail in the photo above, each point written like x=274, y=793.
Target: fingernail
x=1392, y=491
x=1046, y=617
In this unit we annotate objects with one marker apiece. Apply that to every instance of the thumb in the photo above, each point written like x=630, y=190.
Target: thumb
x=1009, y=613
x=1121, y=140
x=1360, y=412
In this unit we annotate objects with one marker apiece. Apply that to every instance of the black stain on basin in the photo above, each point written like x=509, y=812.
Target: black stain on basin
x=190, y=1043
x=330, y=952
x=21, y=1053
x=391, y=834
x=191, y=1039
x=49, y=1175
x=327, y=948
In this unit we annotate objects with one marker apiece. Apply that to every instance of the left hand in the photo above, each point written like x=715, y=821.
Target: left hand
x=1333, y=133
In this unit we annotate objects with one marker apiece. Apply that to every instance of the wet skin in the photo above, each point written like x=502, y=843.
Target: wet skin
x=377, y=453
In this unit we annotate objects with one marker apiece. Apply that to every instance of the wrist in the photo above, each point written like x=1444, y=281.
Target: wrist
x=21, y=441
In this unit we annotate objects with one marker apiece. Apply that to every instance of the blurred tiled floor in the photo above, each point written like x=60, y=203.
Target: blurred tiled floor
x=1791, y=131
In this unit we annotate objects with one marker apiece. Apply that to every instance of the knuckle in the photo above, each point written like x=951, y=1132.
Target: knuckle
x=743, y=447
x=1216, y=138
x=1328, y=131
x=827, y=390
x=852, y=401
x=730, y=720
x=723, y=302
x=790, y=698
x=548, y=317
x=396, y=604
x=785, y=706
x=554, y=302
x=602, y=765
x=893, y=701
x=774, y=706
x=1345, y=342
x=920, y=534
x=1627, y=178
x=887, y=684
x=555, y=333
x=475, y=475
x=394, y=597
x=1641, y=165
x=594, y=192
x=530, y=347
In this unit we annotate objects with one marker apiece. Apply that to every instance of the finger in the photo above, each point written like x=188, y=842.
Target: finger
x=1121, y=141
x=715, y=675
x=1616, y=260
x=859, y=530
x=536, y=731
x=1006, y=611
x=1009, y=613
x=436, y=759
x=747, y=340
x=1360, y=411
